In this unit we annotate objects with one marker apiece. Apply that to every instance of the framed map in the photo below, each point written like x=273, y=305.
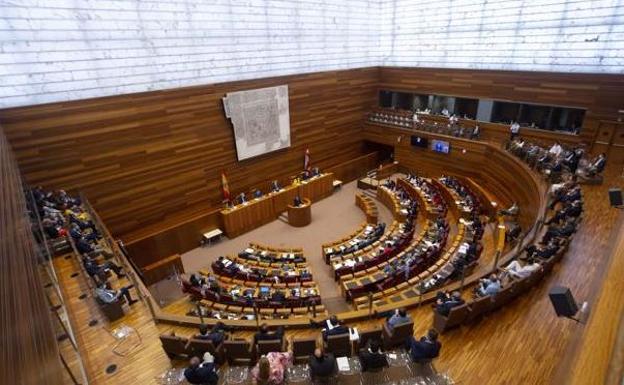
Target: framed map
x=261, y=120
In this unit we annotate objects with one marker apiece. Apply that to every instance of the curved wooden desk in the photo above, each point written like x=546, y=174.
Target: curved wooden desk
x=300, y=216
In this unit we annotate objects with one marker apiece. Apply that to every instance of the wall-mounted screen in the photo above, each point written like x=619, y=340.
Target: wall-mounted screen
x=261, y=120
x=419, y=141
x=440, y=146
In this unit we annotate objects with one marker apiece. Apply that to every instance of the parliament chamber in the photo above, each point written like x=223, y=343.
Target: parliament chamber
x=387, y=223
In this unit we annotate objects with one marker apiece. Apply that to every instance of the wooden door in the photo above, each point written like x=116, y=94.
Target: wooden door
x=610, y=140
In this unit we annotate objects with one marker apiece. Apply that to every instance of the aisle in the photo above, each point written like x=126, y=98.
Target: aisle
x=332, y=218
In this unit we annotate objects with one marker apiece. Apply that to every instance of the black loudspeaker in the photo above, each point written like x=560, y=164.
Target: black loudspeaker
x=563, y=301
x=615, y=197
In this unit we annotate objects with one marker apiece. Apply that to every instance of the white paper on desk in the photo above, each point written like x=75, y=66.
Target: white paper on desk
x=249, y=250
x=392, y=356
x=343, y=364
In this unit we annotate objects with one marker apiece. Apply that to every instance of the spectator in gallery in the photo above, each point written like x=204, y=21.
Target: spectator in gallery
x=201, y=373
x=488, y=286
x=258, y=194
x=446, y=302
x=476, y=132
x=216, y=334
x=399, y=317
x=107, y=294
x=514, y=129
x=372, y=358
x=242, y=198
x=516, y=270
x=427, y=348
x=275, y=187
x=322, y=365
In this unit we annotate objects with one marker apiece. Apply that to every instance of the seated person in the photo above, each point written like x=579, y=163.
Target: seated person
x=196, y=282
x=99, y=270
x=216, y=334
x=399, y=317
x=445, y=302
x=372, y=357
x=85, y=247
x=598, y=165
x=275, y=187
x=488, y=286
x=270, y=369
x=329, y=323
x=321, y=364
x=257, y=194
x=511, y=211
x=297, y=202
x=242, y=198
x=427, y=348
x=264, y=335
x=516, y=270
x=336, y=330
x=331, y=327
x=107, y=294
x=201, y=373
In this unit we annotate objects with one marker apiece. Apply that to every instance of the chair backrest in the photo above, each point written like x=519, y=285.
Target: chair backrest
x=504, y=296
x=303, y=347
x=456, y=316
x=267, y=346
x=402, y=331
x=369, y=335
x=173, y=345
x=479, y=307
x=339, y=345
x=237, y=351
x=198, y=347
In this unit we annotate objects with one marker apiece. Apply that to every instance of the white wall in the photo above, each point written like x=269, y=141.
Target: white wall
x=56, y=50
x=534, y=35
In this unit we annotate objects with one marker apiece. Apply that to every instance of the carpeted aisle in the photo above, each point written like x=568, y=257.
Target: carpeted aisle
x=332, y=218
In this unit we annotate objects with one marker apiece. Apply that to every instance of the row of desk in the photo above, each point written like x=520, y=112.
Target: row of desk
x=245, y=217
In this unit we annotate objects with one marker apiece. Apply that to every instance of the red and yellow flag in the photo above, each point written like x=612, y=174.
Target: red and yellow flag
x=306, y=160
x=225, y=187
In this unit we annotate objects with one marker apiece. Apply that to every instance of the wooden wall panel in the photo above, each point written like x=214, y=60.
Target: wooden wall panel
x=600, y=94
x=156, y=157
x=29, y=350
x=157, y=241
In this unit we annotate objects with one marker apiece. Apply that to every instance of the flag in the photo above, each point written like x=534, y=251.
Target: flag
x=306, y=160
x=225, y=187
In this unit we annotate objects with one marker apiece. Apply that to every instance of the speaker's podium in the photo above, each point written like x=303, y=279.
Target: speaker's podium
x=300, y=215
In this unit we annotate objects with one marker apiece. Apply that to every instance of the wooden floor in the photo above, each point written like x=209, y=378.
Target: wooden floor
x=524, y=343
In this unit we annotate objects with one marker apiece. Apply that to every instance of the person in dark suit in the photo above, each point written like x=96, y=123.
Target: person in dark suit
x=445, y=303
x=201, y=373
x=321, y=364
x=336, y=330
x=372, y=357
x=216, y=334
x=257, y=194
x=297, y=202
x=264, y=334
x=427, y=348
x=275, y=187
